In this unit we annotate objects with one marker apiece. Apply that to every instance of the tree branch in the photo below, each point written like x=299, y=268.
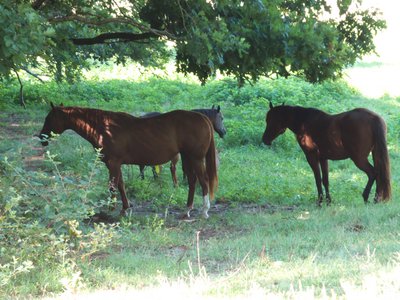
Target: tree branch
x=21, y=87
x=32, y=74
x=102, y=38
x=120, y=20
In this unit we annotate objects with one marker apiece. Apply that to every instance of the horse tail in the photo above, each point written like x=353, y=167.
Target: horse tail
x=211, y=166
x=380, y=157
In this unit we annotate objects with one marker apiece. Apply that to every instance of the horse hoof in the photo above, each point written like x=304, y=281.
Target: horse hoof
x=205, y=215
x=124, y=212
x=377, y=199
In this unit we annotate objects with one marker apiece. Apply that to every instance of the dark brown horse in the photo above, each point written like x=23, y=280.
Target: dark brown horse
x=353, y=134
x=124, y=139
x=214, y=115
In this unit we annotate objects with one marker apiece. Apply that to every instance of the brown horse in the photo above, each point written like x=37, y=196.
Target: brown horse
x=214, y=115
x=353, y=134
x=124, y=139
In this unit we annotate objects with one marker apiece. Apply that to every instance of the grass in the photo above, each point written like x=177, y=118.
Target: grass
x=264, y=238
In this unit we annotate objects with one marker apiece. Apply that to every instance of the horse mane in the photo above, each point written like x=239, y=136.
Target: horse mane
x=150, y=114
x=92, y=123
x=92, y=116
x=303, y=113
x=305, y=110
x=205, y=111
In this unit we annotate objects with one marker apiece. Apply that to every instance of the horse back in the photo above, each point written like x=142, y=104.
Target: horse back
x=158, y=139
x=339, y=136
x=349, y=134
x=191, y=128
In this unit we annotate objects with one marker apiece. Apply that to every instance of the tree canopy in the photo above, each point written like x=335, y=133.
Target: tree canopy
x=246, y=38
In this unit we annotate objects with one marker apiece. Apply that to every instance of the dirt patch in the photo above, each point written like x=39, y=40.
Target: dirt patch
x=357, y=227
x=176, y=214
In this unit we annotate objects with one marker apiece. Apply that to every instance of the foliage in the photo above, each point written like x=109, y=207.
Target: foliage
x=246, y=39
x=32, y=38
x=40, y=232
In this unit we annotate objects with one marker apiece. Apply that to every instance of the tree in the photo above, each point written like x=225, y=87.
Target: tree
x=246, y=39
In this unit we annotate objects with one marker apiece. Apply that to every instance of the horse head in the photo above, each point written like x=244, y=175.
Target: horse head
x=275, y=123
x=53, y=124
x=218, y=121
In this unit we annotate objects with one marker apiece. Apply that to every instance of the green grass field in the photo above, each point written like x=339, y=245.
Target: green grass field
x=265, y=236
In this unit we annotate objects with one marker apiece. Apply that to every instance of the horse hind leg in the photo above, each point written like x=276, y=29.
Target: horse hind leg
x=172, y=167
x=191, y=176
x=200, y=170
x=364, y=165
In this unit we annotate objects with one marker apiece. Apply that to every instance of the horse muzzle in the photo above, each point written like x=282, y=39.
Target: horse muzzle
x=222, y=134
x=266, y=140
x=268, y=143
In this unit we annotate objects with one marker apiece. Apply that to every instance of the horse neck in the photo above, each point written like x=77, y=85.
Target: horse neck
x=296, y=116
x=85, y=123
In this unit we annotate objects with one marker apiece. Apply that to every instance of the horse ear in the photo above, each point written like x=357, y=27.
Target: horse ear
x=61, y=104
x=270, y=105
x=212, y=107
x=218, y=108
x=283, y=104
x=51, y=104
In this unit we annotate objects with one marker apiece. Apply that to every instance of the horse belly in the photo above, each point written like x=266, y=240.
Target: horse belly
x=335, y=155
x=333, y=146
x=335, y=151
x=150, y=158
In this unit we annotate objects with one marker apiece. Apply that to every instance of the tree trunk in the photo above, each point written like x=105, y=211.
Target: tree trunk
x=21, y=92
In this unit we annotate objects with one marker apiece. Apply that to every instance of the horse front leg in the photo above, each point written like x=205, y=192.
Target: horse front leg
x=325, y=179
x=141, y=168
x=124, y=198
x=155, y=174
x=313, y=161
x=117, y=181
x=184, y=167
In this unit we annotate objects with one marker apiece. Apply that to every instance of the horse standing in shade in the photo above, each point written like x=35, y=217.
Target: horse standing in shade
x=353, y=134
x=214, y=115
x=124, y=139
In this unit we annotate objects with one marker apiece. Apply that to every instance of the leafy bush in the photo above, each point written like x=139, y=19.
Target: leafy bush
x=41, y=218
